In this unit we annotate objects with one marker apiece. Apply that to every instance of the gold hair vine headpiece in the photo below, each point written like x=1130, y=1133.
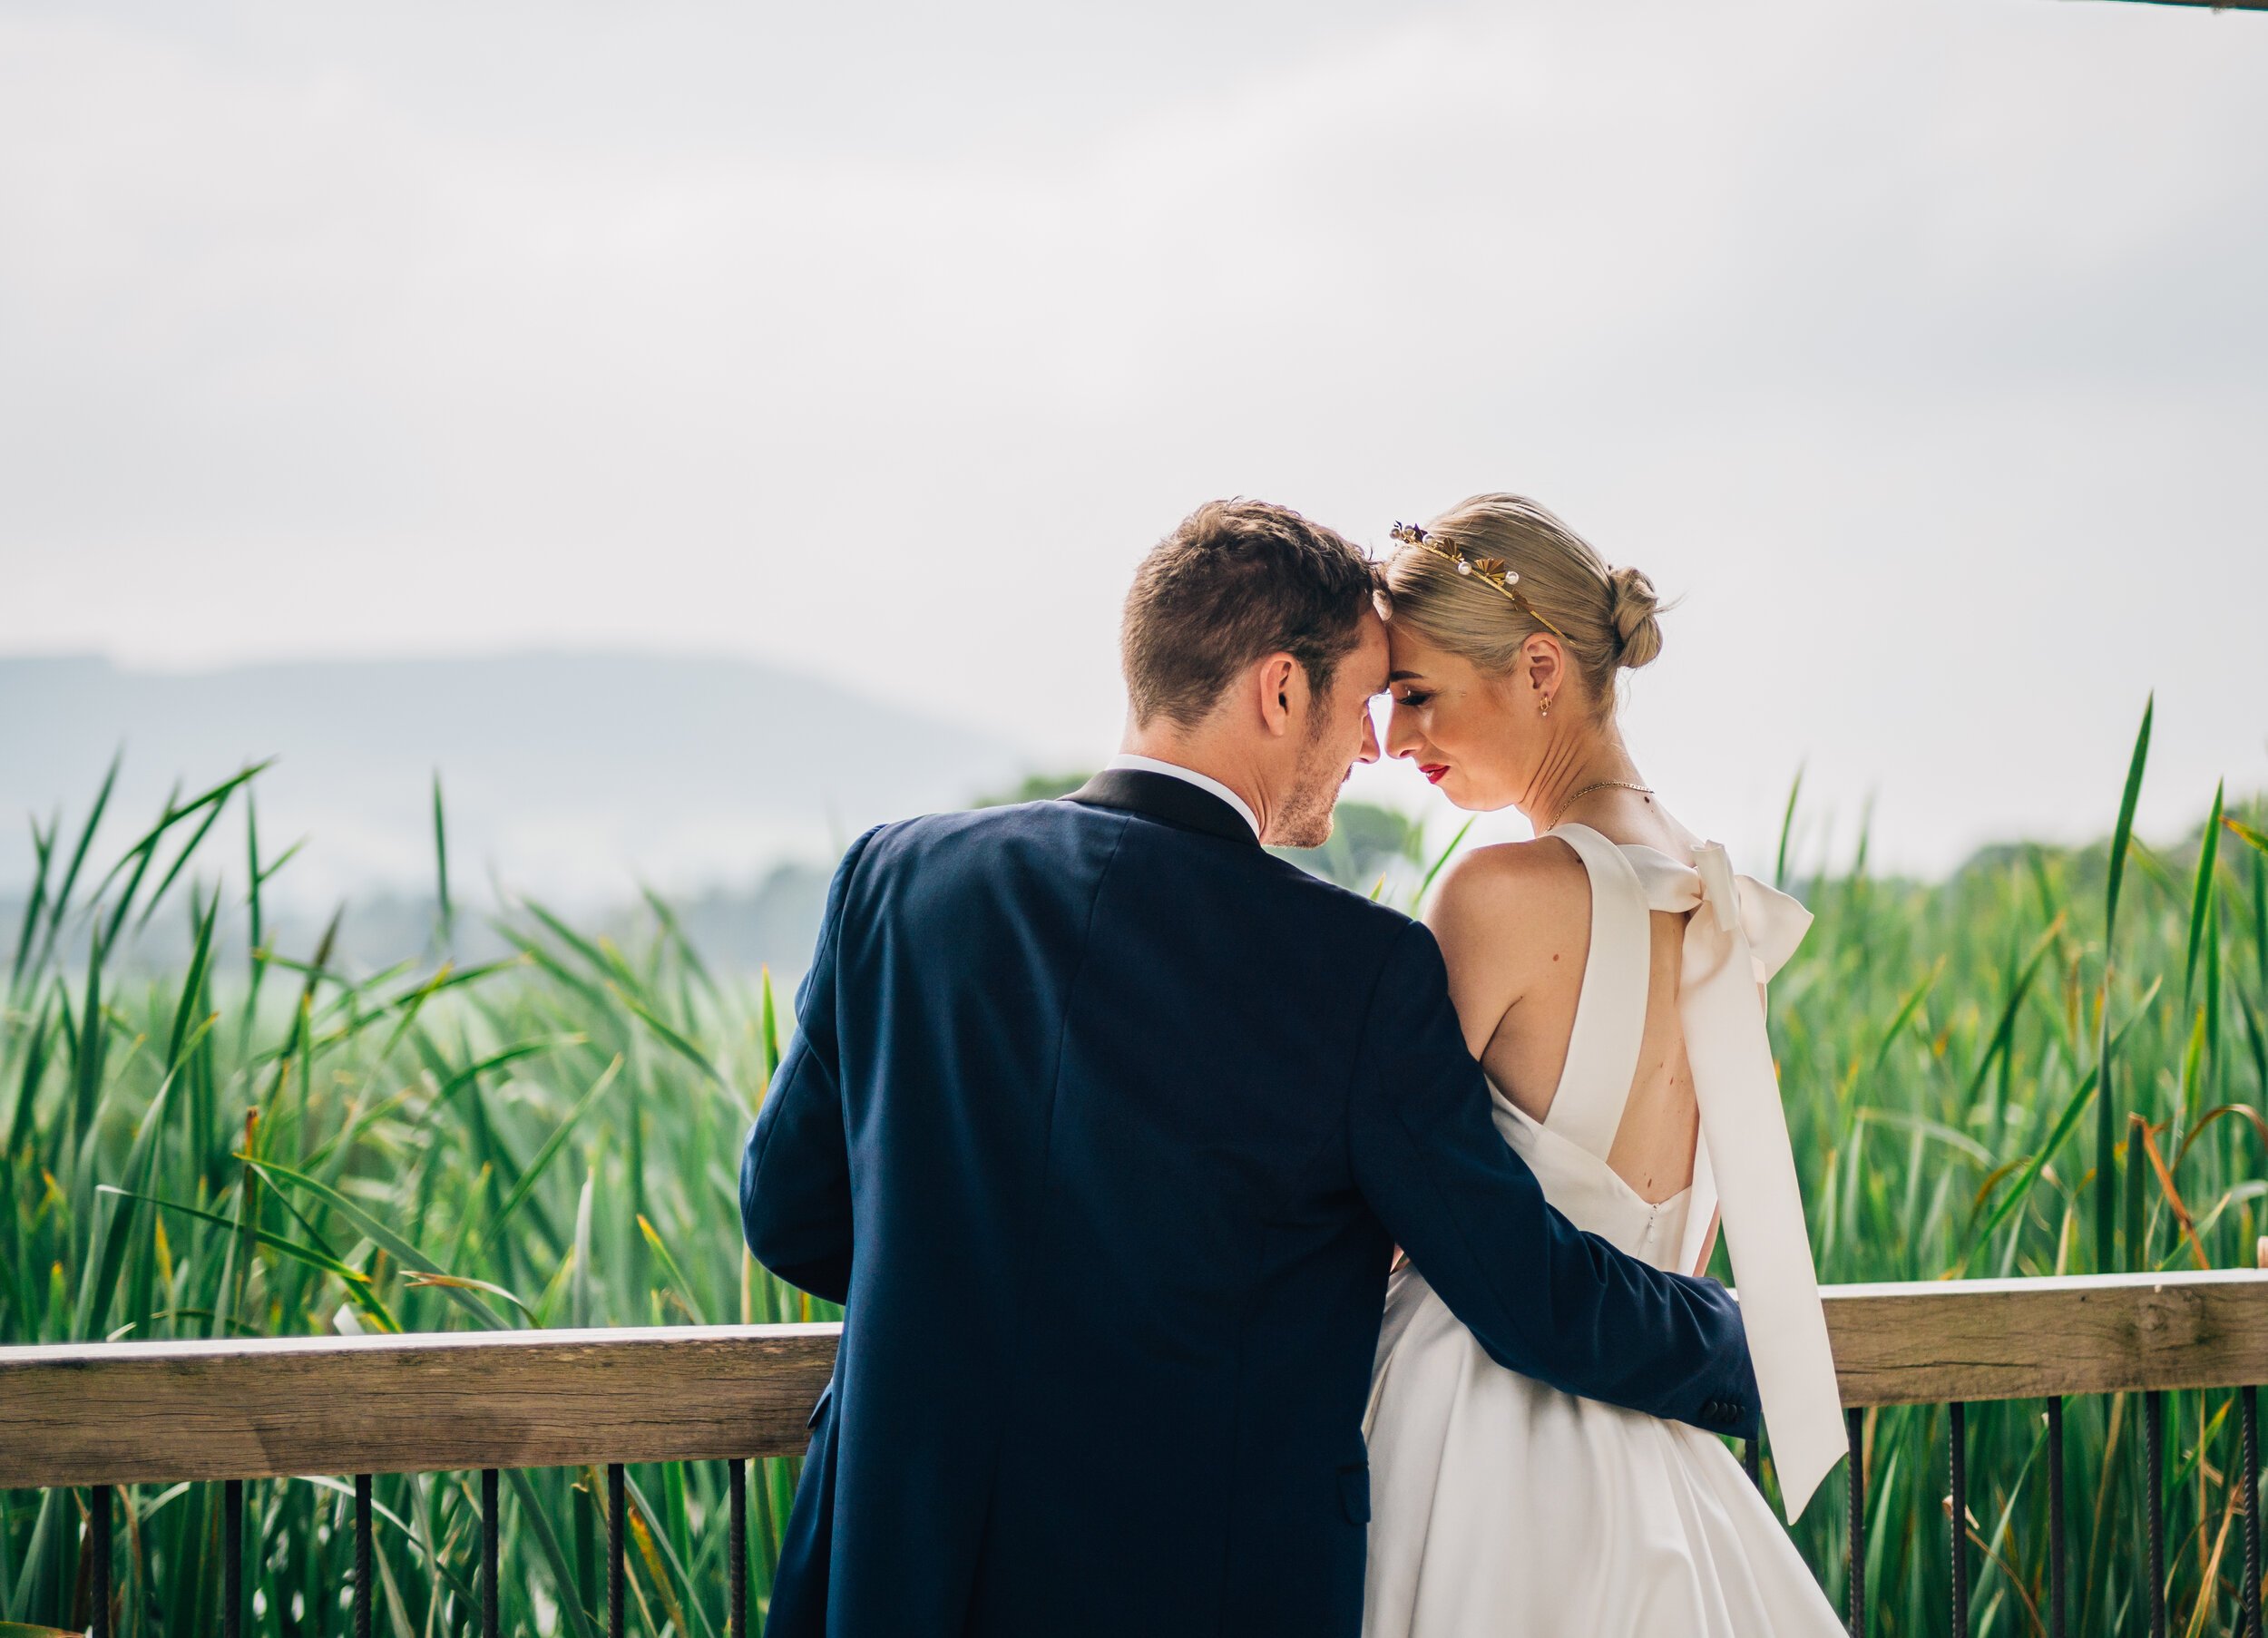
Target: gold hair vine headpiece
x=1494, y=570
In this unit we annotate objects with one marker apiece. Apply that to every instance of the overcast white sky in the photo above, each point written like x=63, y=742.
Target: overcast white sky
x=1920, y=344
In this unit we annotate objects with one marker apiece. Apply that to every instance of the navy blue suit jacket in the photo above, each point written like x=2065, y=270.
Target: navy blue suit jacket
x=1101, y=1123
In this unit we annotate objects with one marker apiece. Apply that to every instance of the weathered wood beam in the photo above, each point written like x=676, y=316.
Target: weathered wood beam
x=139, y=1412
x=132, y=1412
x=1931, y=1342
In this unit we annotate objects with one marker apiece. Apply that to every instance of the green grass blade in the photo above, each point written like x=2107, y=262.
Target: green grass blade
x=107, y=1255
x=307, y=1255
x=2004, y=1030
x=1425, y=884
x=2201, y=896
x=43, y=854
x=2105, y=1103
x=670, y=1266
x=2065, y=1123
x=254, y=945
x=78, y=854
x=670, y=1037
x=93, y=1043
x=1911, y=1005
x=2251, y=836
x=768, y=1028
x=441, y=863
x=674, y=929
x=408, y=1255
x=2123, y=832
x=472, y=1072
x=551, y=1145
x=539, y=1525
x=1787, y=830
x=216, y=803
x=192, y=985
x=139, y=857
x=207, y=802
x=605, y=966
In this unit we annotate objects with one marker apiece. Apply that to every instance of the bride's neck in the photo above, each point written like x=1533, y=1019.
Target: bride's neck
x=1575, y=757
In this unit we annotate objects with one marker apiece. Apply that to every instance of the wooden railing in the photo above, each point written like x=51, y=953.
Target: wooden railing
x=104, y=1415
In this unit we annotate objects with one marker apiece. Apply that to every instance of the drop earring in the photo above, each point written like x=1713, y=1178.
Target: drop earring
x=1545, y=710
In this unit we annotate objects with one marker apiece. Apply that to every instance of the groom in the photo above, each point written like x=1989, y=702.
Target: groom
x=1102, y=1124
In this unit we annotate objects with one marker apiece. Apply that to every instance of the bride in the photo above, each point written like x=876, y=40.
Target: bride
x=1609, y=976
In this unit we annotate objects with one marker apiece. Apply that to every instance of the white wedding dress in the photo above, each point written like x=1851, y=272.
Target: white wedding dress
x=1505, y=1508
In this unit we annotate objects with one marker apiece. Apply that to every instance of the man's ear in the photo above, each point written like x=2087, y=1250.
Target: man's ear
x=1283, y=687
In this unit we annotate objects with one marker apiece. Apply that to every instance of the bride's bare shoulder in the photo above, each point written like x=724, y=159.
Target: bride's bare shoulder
x=1510, y=887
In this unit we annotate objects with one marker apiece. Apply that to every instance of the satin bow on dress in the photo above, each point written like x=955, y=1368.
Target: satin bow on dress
x=1738, y=935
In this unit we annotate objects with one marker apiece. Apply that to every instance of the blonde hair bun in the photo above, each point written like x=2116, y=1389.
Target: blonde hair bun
x=1632, y=603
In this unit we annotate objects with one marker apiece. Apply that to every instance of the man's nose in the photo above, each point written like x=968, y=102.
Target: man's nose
x=1370, y=739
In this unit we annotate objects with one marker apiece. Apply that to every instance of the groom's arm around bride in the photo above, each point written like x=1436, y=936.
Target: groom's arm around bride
x=1542, y=1297
x=1101, y=1123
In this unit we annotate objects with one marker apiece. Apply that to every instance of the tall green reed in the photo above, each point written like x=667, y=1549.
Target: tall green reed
x=260, y=1142
x=282, y=1147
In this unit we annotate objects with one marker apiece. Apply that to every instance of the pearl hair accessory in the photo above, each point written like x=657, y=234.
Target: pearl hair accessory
x=1494, y=570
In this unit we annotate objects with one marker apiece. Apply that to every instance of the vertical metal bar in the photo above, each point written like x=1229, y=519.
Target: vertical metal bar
x=363, y=1593
x=99, y=1555
x=2057, y=1571
x=488, y=1553
x=2153, y=1470
x=1855, y=1419
x=2248, y=1397
x=1958, y=1440
x=233, y=1559
x=614, y=1550
x=737, y=1549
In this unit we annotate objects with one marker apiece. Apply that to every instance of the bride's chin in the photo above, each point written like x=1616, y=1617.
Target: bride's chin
x=1465, y=800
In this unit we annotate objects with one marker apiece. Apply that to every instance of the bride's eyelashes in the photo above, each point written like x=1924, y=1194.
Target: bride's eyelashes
x=1414, y=696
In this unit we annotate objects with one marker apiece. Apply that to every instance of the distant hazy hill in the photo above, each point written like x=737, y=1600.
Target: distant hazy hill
x=568, y=774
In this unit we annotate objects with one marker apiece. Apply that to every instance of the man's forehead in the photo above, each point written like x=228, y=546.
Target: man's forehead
x=1380, y=658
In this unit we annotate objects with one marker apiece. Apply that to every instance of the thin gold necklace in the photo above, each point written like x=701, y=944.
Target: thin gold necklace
x=1603, y=784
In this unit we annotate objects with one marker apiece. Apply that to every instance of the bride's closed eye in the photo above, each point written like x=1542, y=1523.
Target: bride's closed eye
x=1413, y=697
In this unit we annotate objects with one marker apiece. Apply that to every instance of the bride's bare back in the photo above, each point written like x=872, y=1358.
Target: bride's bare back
x=1514, y=926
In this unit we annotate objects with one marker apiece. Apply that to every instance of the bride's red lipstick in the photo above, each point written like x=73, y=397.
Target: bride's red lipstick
x=1433, y=771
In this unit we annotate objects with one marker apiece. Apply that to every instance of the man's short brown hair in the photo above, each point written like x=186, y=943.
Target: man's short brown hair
x=1237, y=580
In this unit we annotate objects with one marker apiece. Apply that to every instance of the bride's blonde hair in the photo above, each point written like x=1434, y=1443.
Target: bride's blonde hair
x=1546, y=577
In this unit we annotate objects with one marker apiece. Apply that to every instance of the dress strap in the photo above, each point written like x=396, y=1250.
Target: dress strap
x=1602, y=1049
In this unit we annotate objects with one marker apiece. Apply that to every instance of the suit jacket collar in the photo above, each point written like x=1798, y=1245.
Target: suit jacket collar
x=1161, y=796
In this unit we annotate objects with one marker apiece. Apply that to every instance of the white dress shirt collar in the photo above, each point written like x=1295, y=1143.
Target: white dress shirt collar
x=1204, y=781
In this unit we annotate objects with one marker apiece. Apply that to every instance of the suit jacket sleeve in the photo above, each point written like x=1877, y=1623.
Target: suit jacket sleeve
x=1542, y=1297
x=794, y=1176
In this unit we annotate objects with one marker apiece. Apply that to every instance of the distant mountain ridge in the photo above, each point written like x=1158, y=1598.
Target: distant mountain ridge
x=569, y=774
